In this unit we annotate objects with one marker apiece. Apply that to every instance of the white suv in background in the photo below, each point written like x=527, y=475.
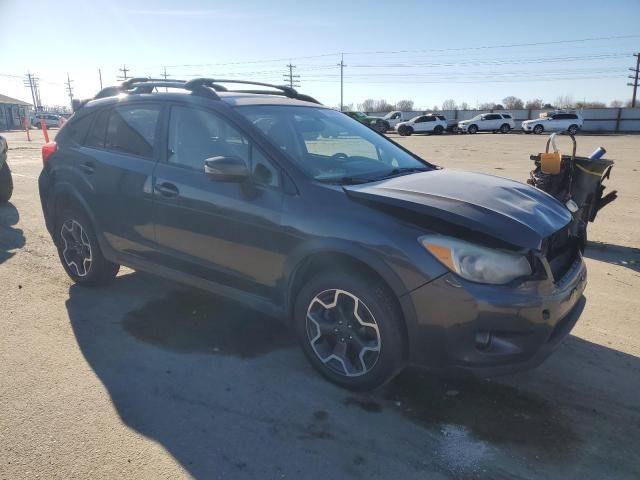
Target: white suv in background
x=488, y=122
x=422, y=124
x=554, y=122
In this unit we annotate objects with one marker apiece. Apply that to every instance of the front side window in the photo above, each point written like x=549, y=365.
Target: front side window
x=195, y=135
x=131, y=129
x=328, y=146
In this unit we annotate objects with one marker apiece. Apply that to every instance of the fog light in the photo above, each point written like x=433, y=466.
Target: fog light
x=483, y=339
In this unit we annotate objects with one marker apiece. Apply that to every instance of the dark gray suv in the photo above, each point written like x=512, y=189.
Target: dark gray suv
x=376, y=257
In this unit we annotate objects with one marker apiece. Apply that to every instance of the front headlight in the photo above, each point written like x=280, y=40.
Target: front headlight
x=476, y=263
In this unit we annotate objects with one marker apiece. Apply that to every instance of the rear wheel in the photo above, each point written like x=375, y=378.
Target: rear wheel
x=438, y=130
x=472, y=129
x=6, y=183
x=79, y=251
x=350, y=329
x=504, y=128
x=538, y=129
x=573, y=129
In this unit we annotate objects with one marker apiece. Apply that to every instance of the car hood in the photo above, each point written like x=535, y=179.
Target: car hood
x=506, y=210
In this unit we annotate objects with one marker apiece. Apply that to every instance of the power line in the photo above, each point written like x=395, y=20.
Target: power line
x=378, y=52
x=634, y=84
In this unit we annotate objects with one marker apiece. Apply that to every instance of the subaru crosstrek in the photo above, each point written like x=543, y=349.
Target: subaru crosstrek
x=378, y=258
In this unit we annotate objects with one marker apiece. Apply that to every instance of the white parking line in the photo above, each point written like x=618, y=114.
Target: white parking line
x=25, y=176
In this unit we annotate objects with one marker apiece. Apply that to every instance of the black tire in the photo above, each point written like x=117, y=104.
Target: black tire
x=505, y=128
x=438, y=130
x=405, y=131
x=538, y=129
x=472, y=129
x=6, y=183
x=573, y=129
x=377, y=303
x=98, y=270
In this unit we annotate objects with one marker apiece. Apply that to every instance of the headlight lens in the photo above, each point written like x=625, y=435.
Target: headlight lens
x=476, y=263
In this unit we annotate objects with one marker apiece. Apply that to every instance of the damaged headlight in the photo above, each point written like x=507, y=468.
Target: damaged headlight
x=476, y=263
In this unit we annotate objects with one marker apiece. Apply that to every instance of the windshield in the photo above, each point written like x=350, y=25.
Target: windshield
x=329, y=146
x=477, y=117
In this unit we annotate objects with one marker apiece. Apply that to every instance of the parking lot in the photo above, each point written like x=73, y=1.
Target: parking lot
x=150, y=379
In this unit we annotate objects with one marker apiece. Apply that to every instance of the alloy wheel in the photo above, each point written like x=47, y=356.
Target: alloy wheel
x=77, y=252
x=343, y=333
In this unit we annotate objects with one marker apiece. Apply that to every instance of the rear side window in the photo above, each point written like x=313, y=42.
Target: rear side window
x=76, y=131
x=95, y=138
x=131, y=129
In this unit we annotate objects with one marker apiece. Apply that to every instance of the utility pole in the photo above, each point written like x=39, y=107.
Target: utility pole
x=100, y=76
x=124, y=71
x=635, y=79
x=28, y=82
x=69, y=89
x=290, y=77
x=165, y=77
x=341, y=65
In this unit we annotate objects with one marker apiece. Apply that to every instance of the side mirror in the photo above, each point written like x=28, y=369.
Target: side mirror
x=226, y=169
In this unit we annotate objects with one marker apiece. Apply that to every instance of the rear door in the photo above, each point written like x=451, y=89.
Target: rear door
x=226, y=232
x=492, y=121
x=117, y=166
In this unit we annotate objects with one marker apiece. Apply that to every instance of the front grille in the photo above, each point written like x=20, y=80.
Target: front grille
x=561, y=252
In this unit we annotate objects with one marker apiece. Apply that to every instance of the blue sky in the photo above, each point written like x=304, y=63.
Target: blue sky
x=427, y=51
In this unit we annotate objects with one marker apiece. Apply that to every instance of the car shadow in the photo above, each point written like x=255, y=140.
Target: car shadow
x=11, y=238
x=225, y=391
x=614, y=254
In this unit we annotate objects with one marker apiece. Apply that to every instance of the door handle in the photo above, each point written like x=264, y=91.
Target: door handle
x=166, y=189
x=87, y=167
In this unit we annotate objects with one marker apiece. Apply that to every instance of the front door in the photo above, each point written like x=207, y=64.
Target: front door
x=226, y=232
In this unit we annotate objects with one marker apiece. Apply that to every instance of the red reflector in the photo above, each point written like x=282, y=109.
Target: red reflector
x=47, y=150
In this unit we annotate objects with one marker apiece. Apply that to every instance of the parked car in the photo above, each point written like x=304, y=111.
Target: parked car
x=377, y=123
x=51, y=120
x=378, y=258
x=396, y=117
x=6, y=180
x=488, y=122
x=423, y=124
x=554, y=122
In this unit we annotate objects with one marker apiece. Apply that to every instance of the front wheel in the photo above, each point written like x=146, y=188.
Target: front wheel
x=6, y=183
x=472, y=129
x=350, y=330
x=538, y=129
x=79, y=250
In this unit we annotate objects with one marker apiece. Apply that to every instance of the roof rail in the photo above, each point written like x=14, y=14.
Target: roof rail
x=206, y=87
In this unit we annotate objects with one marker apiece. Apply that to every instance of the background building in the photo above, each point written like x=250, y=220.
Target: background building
x=12, y=111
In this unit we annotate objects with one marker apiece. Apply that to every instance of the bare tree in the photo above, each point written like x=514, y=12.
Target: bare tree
x=367, y=105
x=449, y=104
x=512, y=103
x=435, y=108
x=535, y=103
x=464, y=106
x=404, y=105
x=616, y=103
x=628, y=104
x=486, y=106
x=565, y=101
x=585, y=104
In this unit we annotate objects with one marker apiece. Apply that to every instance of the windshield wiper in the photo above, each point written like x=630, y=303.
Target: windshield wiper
x=345, y=180
x=402, y=171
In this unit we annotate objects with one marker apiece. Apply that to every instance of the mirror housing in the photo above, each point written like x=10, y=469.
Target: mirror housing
x=226, y=169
